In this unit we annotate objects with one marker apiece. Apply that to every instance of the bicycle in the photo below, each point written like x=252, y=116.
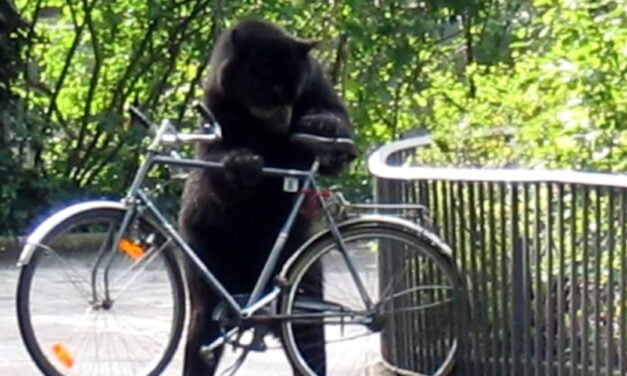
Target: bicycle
x=113, y=269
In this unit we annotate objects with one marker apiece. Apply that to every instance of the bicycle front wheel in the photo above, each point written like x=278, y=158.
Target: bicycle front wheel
x=71, y=327
x=393, y=301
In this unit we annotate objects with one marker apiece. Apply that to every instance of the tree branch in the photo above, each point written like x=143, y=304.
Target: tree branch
x=340, y=58
x=467, y=22
x=90, y=93
x=174, y=49
x=214, y=32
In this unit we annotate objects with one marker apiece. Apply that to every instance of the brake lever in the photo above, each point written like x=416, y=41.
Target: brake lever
x=207, y=115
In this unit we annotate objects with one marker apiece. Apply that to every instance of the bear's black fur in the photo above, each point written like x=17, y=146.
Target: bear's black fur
x=263, y=86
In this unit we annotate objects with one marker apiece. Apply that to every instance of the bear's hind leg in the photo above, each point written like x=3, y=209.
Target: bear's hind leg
x=201, y=331
x=310, y=338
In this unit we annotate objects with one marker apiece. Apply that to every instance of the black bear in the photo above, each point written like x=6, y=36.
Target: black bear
x=263, y=86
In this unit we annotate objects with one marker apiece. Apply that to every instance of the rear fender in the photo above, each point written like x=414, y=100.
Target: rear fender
x=371, y=221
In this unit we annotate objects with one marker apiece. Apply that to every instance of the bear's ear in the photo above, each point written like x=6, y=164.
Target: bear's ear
x=304, y=46
x=236, y=40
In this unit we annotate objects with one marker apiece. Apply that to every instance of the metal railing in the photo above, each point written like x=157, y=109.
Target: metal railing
x=545, y=257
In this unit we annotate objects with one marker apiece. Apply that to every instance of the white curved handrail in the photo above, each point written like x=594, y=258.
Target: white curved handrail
x=377, y=164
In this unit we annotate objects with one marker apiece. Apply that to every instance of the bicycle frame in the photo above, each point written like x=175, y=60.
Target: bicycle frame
x=260, y=310
x=137, y=197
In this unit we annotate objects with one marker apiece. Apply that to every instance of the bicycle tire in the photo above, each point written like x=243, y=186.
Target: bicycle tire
x=378, y=249
x=58, y=341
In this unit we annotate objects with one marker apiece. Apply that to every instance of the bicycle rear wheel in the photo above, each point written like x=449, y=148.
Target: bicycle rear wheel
x=69, y=328
x=412, y=324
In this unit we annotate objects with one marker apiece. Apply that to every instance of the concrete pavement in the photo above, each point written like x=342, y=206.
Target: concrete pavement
x=15, y=361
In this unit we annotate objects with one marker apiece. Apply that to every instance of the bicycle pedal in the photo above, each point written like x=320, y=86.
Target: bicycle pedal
x=258, y=347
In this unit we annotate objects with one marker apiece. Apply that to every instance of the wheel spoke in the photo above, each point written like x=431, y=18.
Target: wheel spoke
x=138, y=269
x=75, y=279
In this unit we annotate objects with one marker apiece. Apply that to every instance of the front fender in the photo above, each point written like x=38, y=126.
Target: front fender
x=371, y=221
x=37, y=236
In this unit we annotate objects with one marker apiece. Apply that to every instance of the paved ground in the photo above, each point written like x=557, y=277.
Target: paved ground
x=14, y=359
x=63, y=304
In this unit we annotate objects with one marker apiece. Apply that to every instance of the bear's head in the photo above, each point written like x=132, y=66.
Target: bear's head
x=264, y=69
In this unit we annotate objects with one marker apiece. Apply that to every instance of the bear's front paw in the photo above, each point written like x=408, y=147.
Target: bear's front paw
x=243, y=168
x=323, y=124
x=328, y=136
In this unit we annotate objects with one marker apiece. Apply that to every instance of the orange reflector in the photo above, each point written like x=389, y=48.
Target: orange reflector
x=132, y=249
x=62, y=354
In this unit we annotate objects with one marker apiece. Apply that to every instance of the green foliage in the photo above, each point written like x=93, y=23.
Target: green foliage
x=551, y=72
x=561, y=99
x=16, y=181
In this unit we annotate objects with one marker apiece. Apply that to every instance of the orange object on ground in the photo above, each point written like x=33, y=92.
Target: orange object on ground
x=131, y=249
x=62, y=354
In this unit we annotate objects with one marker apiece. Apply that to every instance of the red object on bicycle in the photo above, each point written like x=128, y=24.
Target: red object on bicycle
x=311, y=206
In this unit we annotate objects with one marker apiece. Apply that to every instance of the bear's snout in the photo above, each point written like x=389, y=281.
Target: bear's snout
x=277, y=119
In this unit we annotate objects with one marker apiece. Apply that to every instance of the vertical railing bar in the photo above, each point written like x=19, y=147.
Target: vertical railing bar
x=418, y=194
x=443, y=226
x=438, y=196
x=409, y=193
x=574, y=340
x=426, y=200
x=482, y=305
x=424, y=322
x=422, y=197
x=396, y=328
x=457, y=238
x=560, y=282
x=623, y=286
x=505, y=341
x=584, y=274
x=463, y=252
x=397, y=195
x=424, y=345
x=444, y=342
x=435, y=208
x=517, y=308
x=399, y=330
x=446, y=225
x=610, y=283
x=444, y=210
x=526, y=285
x=538, y=283
x=464, y=227
x=597, y=282
x=453, y=240
x=447, y=213
x=494, y=315
x=385, y=264
x=435, y=276
x=402, y=318
x=421, y=350
x=550, y=332
x=475, y=247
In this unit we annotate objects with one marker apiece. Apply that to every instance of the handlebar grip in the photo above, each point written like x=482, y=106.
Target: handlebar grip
x=204, y=112
x=137, y=114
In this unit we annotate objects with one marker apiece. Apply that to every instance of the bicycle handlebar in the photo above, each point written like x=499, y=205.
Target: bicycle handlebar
x=188, y=138
x=137, y=114
x=166, y=133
